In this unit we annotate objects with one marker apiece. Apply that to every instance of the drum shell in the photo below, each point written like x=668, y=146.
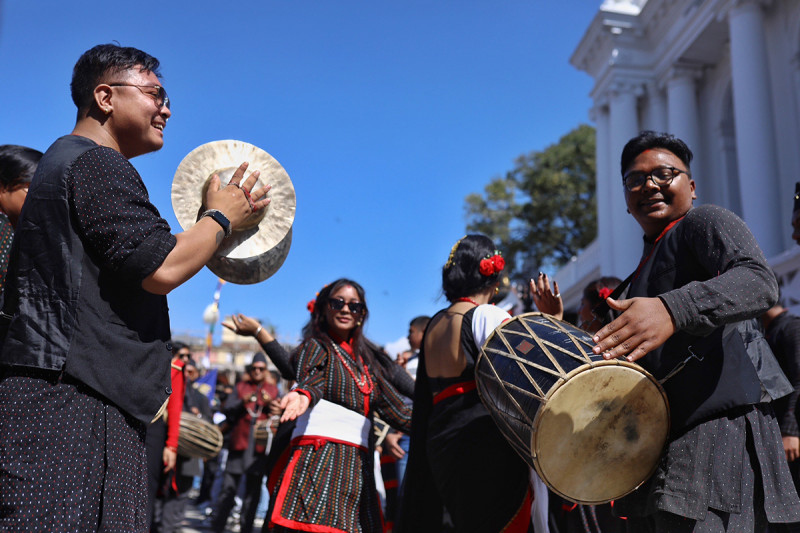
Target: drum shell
x=569, y=413
x=198, y=438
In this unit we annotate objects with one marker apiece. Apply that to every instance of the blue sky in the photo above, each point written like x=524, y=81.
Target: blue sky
x=384, y=114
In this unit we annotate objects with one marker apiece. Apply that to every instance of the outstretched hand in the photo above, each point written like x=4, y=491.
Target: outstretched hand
x=547, y=300
x=242, y=325
x=644, y=325
x=294, y=404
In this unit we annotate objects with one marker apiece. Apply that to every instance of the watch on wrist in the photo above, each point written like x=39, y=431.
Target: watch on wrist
x=220, y=218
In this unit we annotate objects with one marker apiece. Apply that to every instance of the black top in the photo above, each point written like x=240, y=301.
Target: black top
x=783, y=335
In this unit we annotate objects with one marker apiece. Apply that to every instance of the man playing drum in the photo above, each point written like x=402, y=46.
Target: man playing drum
x=693, y=299
x=84, y=319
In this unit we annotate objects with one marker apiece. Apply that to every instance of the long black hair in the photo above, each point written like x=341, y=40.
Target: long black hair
x=17, y=165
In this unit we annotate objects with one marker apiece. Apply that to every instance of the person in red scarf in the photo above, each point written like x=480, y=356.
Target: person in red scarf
x=325, y=480
x=162, y=435
x=249, y=404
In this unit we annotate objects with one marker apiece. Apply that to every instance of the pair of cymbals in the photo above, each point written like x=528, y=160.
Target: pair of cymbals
x=256, y=250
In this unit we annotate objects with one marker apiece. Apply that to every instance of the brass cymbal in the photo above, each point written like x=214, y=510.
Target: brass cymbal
x=255, y=251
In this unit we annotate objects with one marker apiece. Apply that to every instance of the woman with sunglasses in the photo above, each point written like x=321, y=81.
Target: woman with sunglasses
x=458, y=460
x=325, y=480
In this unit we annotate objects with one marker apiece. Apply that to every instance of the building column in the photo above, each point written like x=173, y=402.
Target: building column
x=603, y=189
x=755, y=129
x=624, y=244
x=656, y=108
x=682, y=114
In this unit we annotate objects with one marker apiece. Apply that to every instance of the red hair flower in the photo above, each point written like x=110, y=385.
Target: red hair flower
x=486, y=267
x=310, y=306
x=492, y=264
x=604, y=293
x=498, y=262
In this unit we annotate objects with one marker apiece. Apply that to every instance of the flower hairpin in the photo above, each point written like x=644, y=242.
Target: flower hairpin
x=604, y=293
x=492, y=264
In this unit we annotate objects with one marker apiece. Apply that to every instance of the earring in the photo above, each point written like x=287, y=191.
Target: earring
x=497, y=290
x=107, y=110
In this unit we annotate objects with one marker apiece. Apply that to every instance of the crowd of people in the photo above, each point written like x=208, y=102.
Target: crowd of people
x=93, y=393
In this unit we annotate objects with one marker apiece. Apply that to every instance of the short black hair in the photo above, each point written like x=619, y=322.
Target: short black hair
x=420, y=322
x=103, y=61
x=17, y=164
x=647, y=140
x=177, y=346
x=461, y=276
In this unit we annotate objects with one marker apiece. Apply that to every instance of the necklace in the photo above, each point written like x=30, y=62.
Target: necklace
x=468, y=300
x=364, y=383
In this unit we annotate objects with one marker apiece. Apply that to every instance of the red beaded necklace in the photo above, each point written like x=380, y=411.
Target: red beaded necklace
x=468, y=300
x=364, y=383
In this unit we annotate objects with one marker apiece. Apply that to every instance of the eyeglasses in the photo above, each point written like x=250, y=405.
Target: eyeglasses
x=160, y=96
x=661, y=176
x=338, y=304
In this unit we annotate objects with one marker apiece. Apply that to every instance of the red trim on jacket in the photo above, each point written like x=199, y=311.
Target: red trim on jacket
x=522, y=520
x=454, y=390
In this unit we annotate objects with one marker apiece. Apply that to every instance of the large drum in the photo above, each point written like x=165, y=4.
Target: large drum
x=198, y=438
x=594, y=430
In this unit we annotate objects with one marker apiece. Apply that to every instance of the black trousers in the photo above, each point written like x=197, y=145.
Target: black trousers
x=235, y=468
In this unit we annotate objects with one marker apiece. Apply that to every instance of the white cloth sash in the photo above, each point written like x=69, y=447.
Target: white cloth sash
x=332, y=421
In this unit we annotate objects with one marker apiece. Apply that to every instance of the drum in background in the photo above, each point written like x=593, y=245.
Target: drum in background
x=594, y=430
x=264, y=430
x=198, y=438
x=381, y=429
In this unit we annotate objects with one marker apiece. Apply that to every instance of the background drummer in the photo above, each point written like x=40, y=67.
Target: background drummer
x=694, y=297
x=84, y=366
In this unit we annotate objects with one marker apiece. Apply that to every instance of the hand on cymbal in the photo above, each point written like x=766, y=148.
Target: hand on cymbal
x=644, y=325
x=237, y=200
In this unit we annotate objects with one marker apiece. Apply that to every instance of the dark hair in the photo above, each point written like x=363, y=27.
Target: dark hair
x=420, y=322
x=17, y=164
x=592, y=291
x=177, y=346
x=461, y=276
x=647, y=140
x=317, y=326
x=103, y=62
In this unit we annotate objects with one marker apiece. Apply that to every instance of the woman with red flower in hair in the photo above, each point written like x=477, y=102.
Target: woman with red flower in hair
x=590, y=317
x=458, y=459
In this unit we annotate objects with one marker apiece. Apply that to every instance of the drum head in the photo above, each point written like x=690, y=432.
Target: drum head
x=601, y=432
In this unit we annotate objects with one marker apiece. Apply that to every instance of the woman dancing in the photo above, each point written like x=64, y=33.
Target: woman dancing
x=458, y=460
x=326, y=480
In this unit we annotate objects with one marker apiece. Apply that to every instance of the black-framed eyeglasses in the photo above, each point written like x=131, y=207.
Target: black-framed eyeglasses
x=338, y=304
x=661, y=176
x=160, y=96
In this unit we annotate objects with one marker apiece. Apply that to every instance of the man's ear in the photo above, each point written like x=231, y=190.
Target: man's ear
x=103, y=98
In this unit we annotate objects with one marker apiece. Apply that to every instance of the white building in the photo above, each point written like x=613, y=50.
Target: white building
x=723, y=75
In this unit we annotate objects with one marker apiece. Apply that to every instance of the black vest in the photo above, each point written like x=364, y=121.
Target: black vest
x=63, y=311
x=737, y=366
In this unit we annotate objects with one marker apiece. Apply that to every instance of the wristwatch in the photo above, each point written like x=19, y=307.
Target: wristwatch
x=220, y=218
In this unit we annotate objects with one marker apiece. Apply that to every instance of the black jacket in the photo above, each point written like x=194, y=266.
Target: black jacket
x=63, y=311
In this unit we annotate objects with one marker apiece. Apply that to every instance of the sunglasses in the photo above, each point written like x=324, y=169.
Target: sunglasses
x=160, y=94
x=337, y=304
x=259, y=368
